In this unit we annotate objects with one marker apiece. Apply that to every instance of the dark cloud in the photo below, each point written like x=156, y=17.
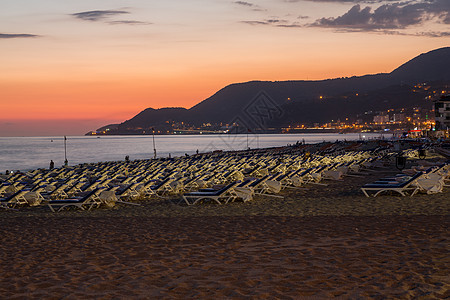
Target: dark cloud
x=97, y=15
x=379, y=16
x=274, y=22
x=342, y=1
x=255, y=22
x=440, y=8
x=129, y=22
x=17, y=35
x=244, y=3
x=435, y=34
x=249, y=5
x=292, y=25
x=101, y=15
x=399, y=15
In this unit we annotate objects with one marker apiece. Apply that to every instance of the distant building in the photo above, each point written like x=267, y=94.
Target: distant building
x=399, y=117
x=381, y=119
x=442, y=113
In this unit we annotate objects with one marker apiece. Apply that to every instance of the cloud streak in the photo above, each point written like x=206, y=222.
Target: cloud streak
x=129, y=22
x=104, y=15
x=98, y=15
x=275, y=23
x=342, y=1
x=435, y=34
x=17, y=35
x=244, y=3
x=249, y=5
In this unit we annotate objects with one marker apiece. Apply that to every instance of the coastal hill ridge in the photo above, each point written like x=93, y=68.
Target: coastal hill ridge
x=305, y=101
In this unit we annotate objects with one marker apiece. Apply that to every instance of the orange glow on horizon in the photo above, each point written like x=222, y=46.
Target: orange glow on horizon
x=124, y=95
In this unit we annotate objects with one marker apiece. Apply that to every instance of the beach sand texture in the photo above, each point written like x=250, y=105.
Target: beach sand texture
x=225, y=257
x=317, y=243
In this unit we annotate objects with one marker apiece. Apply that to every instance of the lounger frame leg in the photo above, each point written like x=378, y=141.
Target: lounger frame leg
x=270, y=195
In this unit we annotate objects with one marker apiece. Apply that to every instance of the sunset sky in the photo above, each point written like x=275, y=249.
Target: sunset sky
x=67, y=67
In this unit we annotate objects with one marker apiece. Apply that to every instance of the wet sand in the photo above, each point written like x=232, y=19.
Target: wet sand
x=318, y=242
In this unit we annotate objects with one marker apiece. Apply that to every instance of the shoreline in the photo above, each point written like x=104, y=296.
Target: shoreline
x=88, y=149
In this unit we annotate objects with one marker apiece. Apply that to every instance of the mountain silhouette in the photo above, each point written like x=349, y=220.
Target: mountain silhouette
x=303, y=101
x=153, y=117
x=430, y=66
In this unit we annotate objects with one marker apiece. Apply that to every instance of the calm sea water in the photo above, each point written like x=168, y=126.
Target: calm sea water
x=28, y=153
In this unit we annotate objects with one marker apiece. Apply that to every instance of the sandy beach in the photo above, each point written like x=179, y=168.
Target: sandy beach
x=317, y=242
x=226, y=149
x=225, y=257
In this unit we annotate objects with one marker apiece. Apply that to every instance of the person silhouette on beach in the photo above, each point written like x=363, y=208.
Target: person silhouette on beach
x=52, y=164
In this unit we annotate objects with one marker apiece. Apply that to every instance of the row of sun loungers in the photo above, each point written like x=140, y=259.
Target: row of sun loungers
x=218, y=177
x=430, y=181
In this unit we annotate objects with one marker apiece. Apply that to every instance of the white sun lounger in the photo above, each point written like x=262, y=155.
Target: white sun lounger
x=89, y=200
x=401, y=187
x=223, y=195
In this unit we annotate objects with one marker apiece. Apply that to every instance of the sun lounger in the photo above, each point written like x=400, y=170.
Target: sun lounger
x=3, y=188
x=431, y=183
x=156, y=188
x=400, y=187
x=109, y=199
x=299, y=177
x=89, y=200
x=315, y=176
x=244, y=193
x=33, y=198
x=269, y=186
x=273, y=186
x=131, y=190
x=332, y=174
x=13, y=200
x=223, y=195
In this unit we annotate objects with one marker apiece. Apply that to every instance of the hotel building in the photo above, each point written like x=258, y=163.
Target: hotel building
x=442, y=113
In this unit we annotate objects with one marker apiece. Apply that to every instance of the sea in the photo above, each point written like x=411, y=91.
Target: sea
x=29, y=153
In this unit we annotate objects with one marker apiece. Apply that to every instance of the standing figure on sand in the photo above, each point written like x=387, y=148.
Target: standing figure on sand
x=52, y=165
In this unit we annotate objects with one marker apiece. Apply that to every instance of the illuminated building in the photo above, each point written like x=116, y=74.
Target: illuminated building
x=442, y=113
